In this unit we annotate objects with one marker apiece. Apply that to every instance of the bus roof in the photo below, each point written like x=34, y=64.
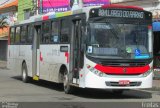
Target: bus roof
x=48, y=16
x=86, y=10
x=121, y=7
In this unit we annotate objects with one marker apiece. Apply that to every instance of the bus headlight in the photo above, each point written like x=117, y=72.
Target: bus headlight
x=147, y=73
x=95, y=71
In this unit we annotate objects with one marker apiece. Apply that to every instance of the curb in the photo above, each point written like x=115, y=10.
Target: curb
x=3, y=64
x=154, y=89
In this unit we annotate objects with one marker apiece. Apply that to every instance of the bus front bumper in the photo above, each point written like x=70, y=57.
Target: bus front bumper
x=116, y=82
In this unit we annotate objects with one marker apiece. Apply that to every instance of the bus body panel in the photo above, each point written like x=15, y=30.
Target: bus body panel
x=94, y=81
x=25, y=55
x=52, y=60
x=18, y=54
x=11, y=58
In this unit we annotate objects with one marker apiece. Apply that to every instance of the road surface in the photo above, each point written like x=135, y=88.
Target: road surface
x=12, y=89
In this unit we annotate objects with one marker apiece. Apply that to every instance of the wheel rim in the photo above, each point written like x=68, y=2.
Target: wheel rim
x=23, y=74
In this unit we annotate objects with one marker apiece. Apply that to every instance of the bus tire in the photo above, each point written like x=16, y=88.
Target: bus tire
x=68, y=89
x=25, y=77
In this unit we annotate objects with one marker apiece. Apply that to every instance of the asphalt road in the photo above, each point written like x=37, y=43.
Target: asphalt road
x=12, y=89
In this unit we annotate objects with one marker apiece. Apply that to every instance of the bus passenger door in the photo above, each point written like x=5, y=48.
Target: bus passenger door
x=76, y=54
x=36, y=52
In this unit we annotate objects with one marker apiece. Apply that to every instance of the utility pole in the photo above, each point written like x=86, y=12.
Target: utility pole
x=41, y=7
x=34, y=9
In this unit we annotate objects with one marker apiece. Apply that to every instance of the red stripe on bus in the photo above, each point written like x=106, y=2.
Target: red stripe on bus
x=67, y=57
x=122, y=70
x=41, y=58
x=45, y=17
x=121, y=7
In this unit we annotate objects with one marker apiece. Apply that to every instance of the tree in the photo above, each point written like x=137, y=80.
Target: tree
x=3, y=22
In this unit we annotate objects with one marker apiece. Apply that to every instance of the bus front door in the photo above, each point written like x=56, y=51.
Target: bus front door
x=36, y=52
x=76, y=54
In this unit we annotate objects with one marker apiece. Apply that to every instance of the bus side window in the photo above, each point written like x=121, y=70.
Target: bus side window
x=46, y=33
x=29, y=34
x=64, y=31
x=17, y=37
x=12, y=35
x=55, y=32
x=23, y=34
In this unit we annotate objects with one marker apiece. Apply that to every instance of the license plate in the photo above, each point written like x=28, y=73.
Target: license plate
x=124, y=82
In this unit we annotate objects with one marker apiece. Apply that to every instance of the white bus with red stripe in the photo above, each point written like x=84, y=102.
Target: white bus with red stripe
x=108, y=47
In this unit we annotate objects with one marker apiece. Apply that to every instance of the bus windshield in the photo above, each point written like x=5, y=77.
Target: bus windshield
x=118, y=41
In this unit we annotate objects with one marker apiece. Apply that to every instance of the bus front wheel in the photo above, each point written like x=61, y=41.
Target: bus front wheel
x=68, y=89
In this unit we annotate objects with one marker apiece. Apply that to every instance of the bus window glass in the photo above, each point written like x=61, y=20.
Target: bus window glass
x=12, y=35
x=46, y=33
x=30, y=34
x=54, y=32
x=17, y=38
x=122, y=41
x=64, y=31
x=23, y=34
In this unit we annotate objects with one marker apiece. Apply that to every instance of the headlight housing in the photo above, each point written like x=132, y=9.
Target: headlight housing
x=95, y=71
x=147, y=73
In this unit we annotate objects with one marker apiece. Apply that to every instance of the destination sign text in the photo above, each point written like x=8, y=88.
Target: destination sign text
x=121, y=13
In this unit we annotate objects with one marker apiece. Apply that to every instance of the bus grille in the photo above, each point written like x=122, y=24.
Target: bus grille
x=116, y=84
x=124, y=64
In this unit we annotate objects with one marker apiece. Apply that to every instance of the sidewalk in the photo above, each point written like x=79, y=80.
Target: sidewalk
x=156, y=85
x=3, y=64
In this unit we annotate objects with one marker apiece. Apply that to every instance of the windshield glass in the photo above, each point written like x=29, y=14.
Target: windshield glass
x=118, y=41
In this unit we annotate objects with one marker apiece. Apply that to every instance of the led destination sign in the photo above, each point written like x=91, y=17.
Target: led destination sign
x=121, y=13
x=117, y=13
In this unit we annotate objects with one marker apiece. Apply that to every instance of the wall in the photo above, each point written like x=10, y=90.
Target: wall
x=4, y=32
x=67, y=5
x=24, y=5
x=8, y=9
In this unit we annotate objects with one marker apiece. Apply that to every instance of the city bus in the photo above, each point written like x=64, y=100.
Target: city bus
x=105, y=47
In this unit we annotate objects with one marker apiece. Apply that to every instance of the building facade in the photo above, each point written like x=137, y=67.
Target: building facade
x=26, y=9
x=8, y=12
x=46, y=6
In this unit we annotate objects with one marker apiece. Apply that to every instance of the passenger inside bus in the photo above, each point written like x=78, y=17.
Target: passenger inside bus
x=103, y=38
x=131, y=38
